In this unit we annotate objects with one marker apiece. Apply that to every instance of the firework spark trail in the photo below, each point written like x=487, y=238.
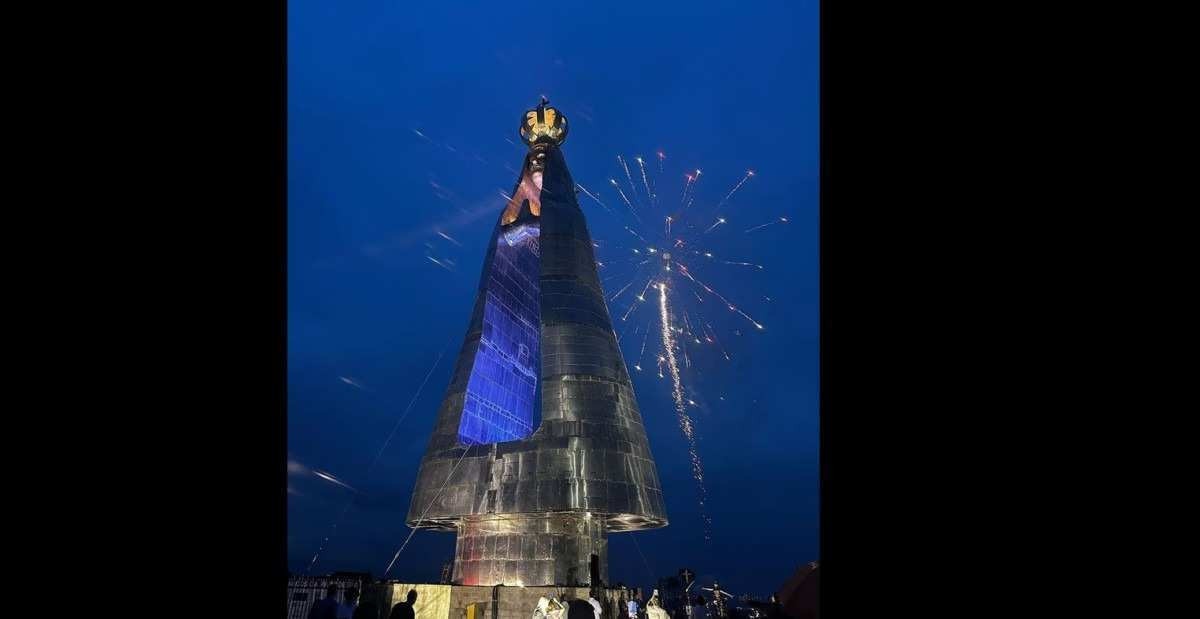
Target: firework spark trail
x=621, y=260
x=638, y=365
x=781, y=220
x=742, y=264
x=351, y=382
x=629, y=176
x=623, y=288
x=749, y=173
x=330, y=478
x=632, y=306
x=692, y=195
x=622, y=334
x=439, y=263
x=720, y=220
x=383, y=448
x=448, y=238
x=668, y=225
x=642, y=296
x=713, y=334
x=634, y=233
x=627, y=202
x=646, y=182
x=686, y=185
x=466, y=449
x=661, y=156
x=593, y=196
x=733, y=308
x=685, y=422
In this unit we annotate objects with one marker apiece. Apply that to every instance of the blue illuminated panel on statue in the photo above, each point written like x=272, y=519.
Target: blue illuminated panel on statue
x=502, y=389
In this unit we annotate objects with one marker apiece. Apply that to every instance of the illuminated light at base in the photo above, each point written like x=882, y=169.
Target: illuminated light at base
x=685, y=422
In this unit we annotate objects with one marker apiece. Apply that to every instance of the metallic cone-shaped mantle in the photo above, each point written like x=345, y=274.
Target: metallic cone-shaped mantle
x=532, y=500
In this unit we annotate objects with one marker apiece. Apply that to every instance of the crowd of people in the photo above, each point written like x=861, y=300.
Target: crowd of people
x=547, y=608
x=328, y=607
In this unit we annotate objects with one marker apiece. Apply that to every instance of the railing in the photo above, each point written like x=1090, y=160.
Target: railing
x=303, y=591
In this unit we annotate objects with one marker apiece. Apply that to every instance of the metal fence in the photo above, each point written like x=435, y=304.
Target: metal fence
x=302, y=591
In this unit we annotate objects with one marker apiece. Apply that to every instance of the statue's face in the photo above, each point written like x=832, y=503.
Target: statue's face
x=530, y=189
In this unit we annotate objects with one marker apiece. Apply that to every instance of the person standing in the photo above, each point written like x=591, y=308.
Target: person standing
x=404, y=610
x=345, y=610
x=368, y=607
x=325, y=608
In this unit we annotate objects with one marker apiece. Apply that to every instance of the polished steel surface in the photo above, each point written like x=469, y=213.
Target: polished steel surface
x=515, y=549
x=587, y=463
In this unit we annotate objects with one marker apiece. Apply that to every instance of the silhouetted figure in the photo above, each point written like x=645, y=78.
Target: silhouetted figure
x=369, y=609
x=580, y=609
x=345, y=610
x=776, y=611
x=404, y=610
x=325, y=608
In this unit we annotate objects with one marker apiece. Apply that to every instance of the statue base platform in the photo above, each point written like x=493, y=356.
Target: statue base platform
x=498, y=602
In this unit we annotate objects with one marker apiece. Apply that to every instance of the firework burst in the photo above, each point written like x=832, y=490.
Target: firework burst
x=652, y=259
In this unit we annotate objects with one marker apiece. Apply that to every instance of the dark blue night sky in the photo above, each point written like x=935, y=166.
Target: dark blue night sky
x=723, y=87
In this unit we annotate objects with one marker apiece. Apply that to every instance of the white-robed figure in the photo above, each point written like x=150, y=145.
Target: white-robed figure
x=548, y=609
x=654, y=609
x=633, y=609
x=596, y=607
